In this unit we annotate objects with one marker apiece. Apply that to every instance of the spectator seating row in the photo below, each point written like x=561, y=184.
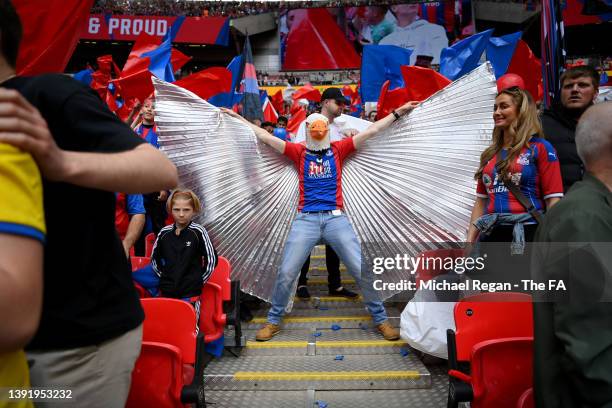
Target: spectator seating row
x=172, y=357
x=169, y=370
x=490, y=354
x=494, y=339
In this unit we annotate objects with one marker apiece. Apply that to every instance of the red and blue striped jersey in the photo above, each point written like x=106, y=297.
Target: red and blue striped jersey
x=320, y=175
x=537, y=172
x=148, y=133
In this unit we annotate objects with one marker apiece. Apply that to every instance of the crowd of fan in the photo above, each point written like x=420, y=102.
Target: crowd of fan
x=215, y=8
x=340, y=77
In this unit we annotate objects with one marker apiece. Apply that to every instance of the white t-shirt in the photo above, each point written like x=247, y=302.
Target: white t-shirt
x=422, y=37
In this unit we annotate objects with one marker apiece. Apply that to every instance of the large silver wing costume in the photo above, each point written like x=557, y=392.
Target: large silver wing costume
x=410, y=188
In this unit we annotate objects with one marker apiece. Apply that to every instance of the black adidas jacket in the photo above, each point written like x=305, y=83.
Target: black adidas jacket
x=183, y=262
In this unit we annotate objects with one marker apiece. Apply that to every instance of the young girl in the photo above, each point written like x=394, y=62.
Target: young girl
x=183, y=257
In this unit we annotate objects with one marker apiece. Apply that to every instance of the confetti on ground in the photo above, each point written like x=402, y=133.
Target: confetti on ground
x=335, y=327
x=317, y=334
x=404, y=352
x=321, y=404
x=339, y=358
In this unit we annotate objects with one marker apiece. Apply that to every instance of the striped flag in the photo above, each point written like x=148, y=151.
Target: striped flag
x=553, y=49
x=269, y=113
x=251, y=104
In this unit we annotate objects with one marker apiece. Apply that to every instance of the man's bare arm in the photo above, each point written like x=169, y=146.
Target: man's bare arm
x=134, y=230
x=382, y=124
x=20, y=290
x=143, y=169
x=272, y=141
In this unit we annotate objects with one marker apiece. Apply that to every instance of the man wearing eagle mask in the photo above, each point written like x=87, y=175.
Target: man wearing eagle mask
x=320, y=215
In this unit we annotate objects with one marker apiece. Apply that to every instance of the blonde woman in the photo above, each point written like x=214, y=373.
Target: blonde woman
x=519, y=155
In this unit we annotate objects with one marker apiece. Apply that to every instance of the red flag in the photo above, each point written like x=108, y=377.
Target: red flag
x=137, y=85
x=208, y=82
x=528, y=67
x=307, y=92
x=316, y=42
x=296, y=120
x=51, y=30
x=178, y=59
x=389, y=100
x=278, y=101
x=348, y=91
x=124, y=111
x=269, y=113
x=107, y=65
x=421, y=82
x=135, y=79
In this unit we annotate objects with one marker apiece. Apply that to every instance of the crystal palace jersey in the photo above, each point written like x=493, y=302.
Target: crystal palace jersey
x=320, y=175
x=148, y=133
x=535, y=170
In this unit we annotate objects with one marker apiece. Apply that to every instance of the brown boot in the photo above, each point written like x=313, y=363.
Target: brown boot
x=389, y=332
x=267, y=332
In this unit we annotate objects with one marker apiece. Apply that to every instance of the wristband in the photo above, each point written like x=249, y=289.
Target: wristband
x=397, y=116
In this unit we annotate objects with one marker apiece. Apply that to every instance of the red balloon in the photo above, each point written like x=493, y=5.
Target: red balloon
x=508, y=81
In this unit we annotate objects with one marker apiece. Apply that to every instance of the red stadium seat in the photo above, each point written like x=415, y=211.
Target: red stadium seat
x=221, y=276
x=501, y=371
x=149, y=241
x=483, y=317
x=215, y=291
x=139, y=262
x=220, y=305
x=423, y=274
x=212, y=319
x=526, y=399
x=169, y=366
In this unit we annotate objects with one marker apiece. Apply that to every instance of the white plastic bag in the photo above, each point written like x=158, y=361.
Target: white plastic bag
x=424, y=323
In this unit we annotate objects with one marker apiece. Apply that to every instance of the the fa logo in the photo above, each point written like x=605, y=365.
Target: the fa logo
x=188, y=243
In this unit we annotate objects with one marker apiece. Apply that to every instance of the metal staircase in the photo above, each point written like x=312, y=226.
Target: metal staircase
x=328, y=354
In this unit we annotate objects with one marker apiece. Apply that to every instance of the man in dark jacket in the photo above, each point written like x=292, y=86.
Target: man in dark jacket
x=573, y=333
x=579, y=89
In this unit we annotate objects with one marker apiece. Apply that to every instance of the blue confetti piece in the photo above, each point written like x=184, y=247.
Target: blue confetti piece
x=335, y=327
x=404, y=352
x=321, y=404
x=339, y=358
x=317, y=334
x=323, y=308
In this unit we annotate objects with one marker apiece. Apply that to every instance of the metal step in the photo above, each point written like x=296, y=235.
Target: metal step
x=323, y=342
x=320, y=290
x=357, y=309
x=348, y=318
x=267, y=399
x=354, y=372
x=326, y=302
x=323, y=281
x=433, y=397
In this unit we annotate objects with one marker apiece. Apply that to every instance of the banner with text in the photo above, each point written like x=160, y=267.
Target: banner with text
x=195, y=30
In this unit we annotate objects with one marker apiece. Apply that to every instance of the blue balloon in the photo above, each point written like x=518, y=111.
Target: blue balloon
x=281, y=133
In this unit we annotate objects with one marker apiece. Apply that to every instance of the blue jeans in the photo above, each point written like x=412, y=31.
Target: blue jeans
x=307, y=231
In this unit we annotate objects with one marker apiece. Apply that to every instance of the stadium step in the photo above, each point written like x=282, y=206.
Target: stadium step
x=323, y=342
x=328, y=352
x=324, y=372
x=432, y=397
x=344, y=321
x=326, y=302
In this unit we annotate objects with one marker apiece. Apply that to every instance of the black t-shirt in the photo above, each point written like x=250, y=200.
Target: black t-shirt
x=88, y=294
